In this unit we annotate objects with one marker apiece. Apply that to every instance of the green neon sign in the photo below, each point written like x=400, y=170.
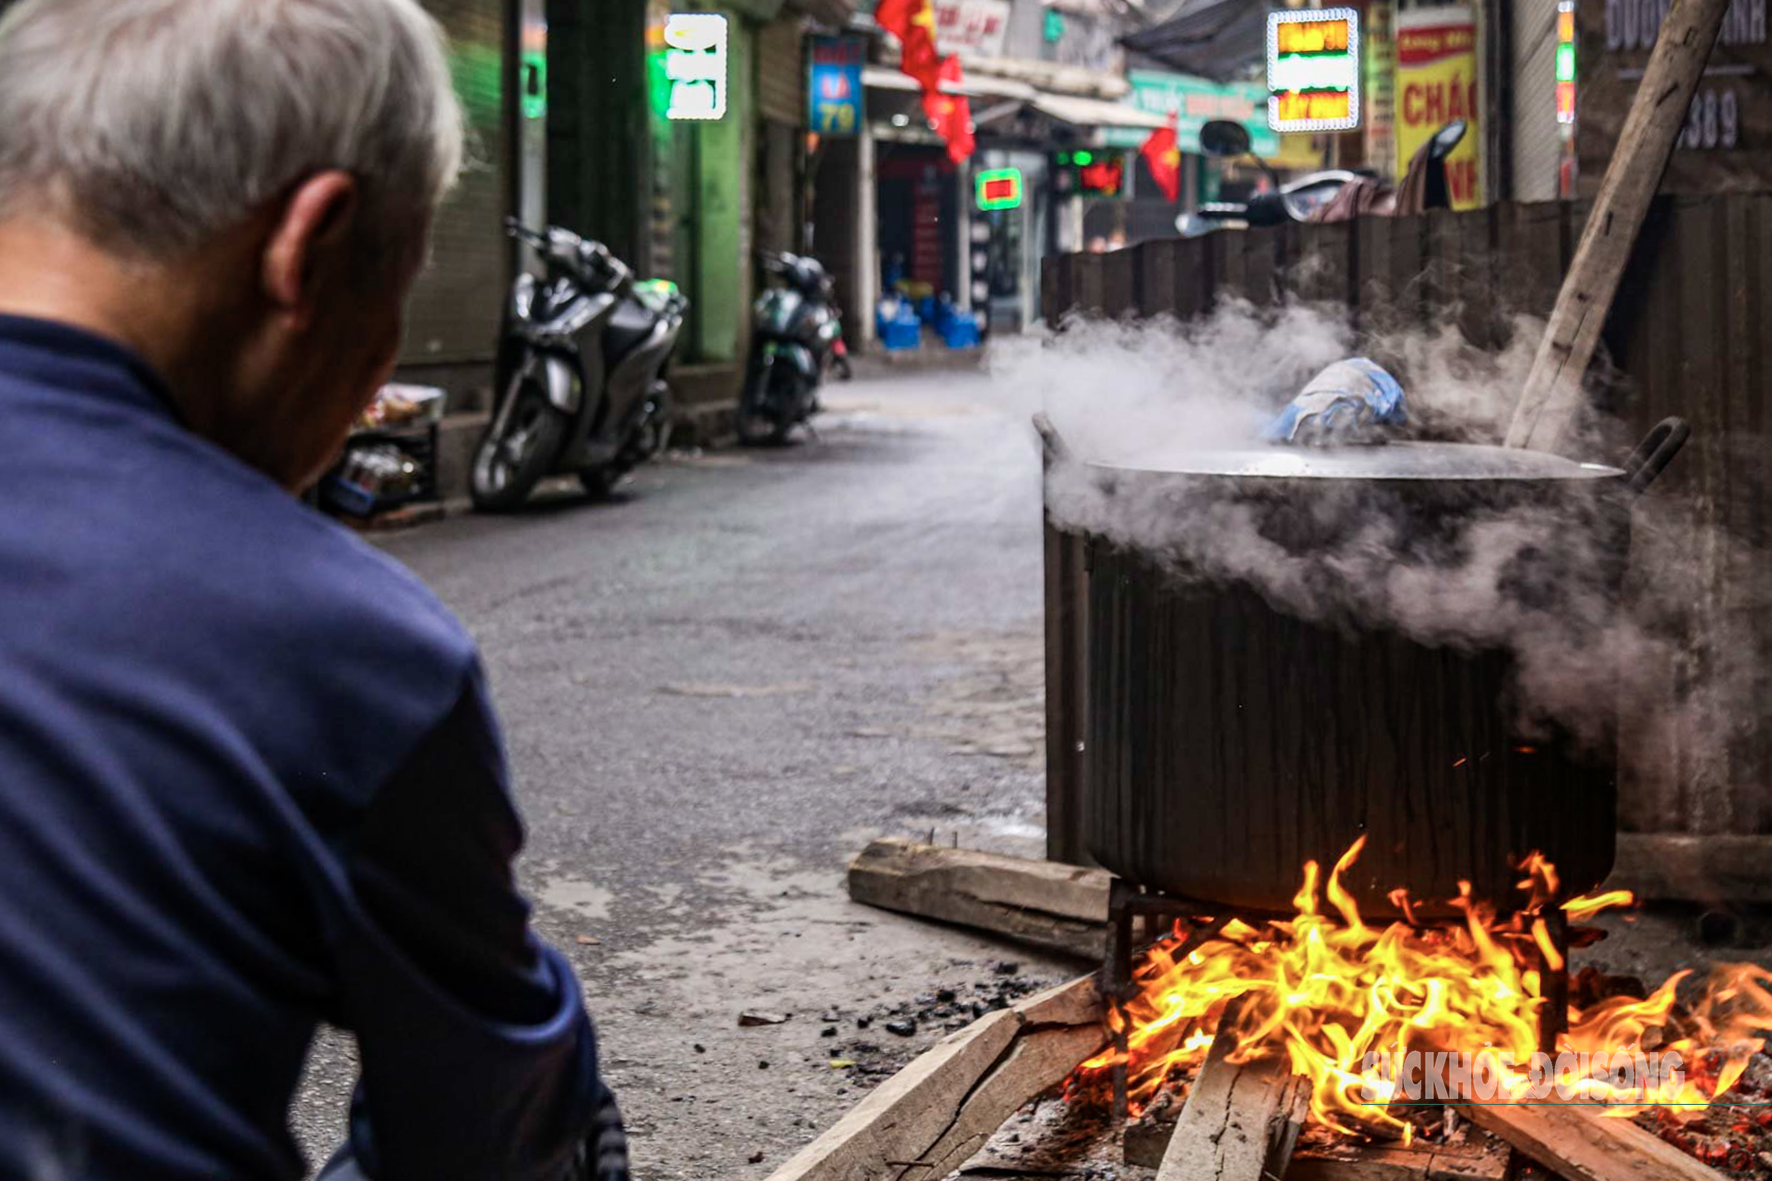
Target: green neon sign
x=999, y=188
x=695, y=57
x=535, y=84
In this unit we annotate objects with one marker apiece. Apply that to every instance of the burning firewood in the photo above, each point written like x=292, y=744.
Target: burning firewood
x=1469, y=1155
x=1060, y=907
x=1241, y=1121
x=930, y=1117
x=1583, y=1145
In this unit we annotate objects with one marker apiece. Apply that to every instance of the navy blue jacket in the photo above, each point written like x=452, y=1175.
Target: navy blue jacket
x=249, y=781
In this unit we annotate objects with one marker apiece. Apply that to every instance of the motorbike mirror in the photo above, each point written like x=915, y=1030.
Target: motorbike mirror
x=1446, y=139
x=1221, y=137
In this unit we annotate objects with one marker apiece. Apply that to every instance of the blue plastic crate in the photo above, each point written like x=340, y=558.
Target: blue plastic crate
x=901, y=334
x=961, y=333
x=944, y=315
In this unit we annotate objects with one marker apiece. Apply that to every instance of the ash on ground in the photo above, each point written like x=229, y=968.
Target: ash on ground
x=878, y=1043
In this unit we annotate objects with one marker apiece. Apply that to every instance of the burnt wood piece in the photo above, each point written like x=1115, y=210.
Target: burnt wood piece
x=1230, y=742
x=1580, y=1144
x=1058, y=907
x=1241, y=1121
x=1553, y=396
x=929, y=1118
x=1479, y=1157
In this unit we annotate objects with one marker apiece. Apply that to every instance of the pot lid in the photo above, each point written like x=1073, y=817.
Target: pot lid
x=1389, y=461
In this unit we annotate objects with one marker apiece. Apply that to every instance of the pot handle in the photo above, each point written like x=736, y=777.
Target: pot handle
x=1055, y=448
x=1655, y=452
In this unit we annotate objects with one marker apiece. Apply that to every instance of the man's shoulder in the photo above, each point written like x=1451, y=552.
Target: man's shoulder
x=172, y=553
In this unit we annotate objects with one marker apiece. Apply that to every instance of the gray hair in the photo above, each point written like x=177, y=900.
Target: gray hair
x=155, y=124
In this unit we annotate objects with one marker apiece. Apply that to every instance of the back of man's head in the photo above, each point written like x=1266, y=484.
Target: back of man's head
x=152, y=125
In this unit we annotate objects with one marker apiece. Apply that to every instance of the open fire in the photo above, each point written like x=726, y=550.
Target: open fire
x=1334, y=995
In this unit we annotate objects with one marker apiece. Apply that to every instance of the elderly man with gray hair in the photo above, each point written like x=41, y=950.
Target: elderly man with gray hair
x=249, y=777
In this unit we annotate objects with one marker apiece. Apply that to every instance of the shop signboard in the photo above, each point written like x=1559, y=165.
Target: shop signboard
x=1436, y=83
x=834, y=86
x=1313, y=69
x=695, y=49
x=979, y=27
x=999, y=188
x=1726, y=144
x=1194, y=102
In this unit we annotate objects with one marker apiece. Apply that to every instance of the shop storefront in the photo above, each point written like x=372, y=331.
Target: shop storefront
x=453, y=318
x=685, y=168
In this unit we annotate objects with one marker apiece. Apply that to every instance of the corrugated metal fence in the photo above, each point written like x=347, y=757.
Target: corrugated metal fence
x=1689, y=335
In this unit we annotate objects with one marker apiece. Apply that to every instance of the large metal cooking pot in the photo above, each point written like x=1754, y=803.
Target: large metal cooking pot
x=1231, y=738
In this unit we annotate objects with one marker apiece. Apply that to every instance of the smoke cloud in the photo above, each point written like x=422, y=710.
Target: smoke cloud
x=1535, y=576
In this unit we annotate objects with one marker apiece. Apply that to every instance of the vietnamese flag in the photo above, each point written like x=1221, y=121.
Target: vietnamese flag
x=951, y=113
x=1163, y=155
x=913, y=23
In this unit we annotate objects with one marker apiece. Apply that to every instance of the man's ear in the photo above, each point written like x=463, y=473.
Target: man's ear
x=315, y=220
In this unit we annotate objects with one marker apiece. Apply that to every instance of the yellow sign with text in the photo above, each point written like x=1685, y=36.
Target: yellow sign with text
x=1436, y=83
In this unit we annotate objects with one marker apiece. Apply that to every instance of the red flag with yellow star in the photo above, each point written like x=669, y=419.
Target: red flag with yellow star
x=913, y=23
x=1163, y=155
x=951, y=113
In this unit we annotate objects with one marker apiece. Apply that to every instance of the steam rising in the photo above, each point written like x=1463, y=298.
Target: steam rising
x=1115, y=389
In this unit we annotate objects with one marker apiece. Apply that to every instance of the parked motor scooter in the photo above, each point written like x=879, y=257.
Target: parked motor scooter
x=580, y=377
x=1328, y=196
x=799, y=337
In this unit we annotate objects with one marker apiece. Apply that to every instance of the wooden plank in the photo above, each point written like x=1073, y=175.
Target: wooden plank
x=1241, y=1121
x=1156, y=263
x=1086, y=284
x=1579, y=1143
x=1474, y=1155
x=919, y=1124
x=1230, y=250
x=1060, y=907
x=1529, y=252
x=1325, y=266
x=1037, y=1062
x=1553, y=396
x=1441, y=264
x=1474, y=279
x=1055, y=289
x=1119, y=294
x=1264, y=258
x=1194, y=276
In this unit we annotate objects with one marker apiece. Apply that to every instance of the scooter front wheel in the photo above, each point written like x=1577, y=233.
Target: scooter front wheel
x=757, y=429
x=517, y=451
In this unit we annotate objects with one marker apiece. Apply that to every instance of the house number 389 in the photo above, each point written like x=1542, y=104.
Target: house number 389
x=1714, y=121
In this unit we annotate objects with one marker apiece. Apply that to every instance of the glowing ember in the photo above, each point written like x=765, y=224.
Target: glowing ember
x=1329, y=992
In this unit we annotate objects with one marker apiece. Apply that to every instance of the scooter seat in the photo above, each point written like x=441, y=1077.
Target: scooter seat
x=628, y=328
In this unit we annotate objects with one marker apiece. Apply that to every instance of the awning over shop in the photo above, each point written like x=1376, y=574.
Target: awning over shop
x=1218, y=39
x=980, y=86
x=1093, y=112
x=1012, y=98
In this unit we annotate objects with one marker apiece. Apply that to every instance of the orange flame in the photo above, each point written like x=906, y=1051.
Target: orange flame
x=1326, y=993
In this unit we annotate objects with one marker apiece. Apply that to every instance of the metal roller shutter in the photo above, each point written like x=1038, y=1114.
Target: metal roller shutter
x=1537, y=145
x=454, y=314
x=781, y=73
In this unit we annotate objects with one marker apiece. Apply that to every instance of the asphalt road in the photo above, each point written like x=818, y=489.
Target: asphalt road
x=715, y=690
